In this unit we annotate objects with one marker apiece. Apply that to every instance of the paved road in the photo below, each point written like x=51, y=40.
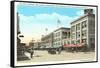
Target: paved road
x=43, y=56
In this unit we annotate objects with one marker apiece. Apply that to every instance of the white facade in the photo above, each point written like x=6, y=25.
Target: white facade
x=83, y=30
x=59, y=35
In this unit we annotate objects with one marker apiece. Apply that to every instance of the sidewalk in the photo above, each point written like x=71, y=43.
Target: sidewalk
x=23, y=57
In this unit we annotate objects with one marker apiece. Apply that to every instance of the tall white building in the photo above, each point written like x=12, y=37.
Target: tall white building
x=83, y=29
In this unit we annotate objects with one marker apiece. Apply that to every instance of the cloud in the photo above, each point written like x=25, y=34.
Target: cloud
x=35, y=25
x=80, y=13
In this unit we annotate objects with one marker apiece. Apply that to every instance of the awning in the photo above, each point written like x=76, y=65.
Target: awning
x=72, y=45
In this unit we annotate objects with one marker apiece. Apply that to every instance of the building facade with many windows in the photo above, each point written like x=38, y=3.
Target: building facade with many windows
x=56, y=39
x=47, y=41
x=60, y=36
x=83, y=29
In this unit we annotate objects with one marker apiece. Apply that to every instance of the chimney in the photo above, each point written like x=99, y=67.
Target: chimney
x=88, y=11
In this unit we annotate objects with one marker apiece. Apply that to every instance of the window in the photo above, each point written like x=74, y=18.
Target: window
x=58, y=43
x=68, y=34
x=73, y=35
x=84, y=33
x=64, y=35
x=73, y=42
x=57, y=39
x=78, y=35
x=84, y=25
x=72, y=28
x=78, y=41
x=58, y=33
x=84, y=40
x=68, y=42
x=92, y=40
x=64, y=42
x=78, y=26
x=55, y=34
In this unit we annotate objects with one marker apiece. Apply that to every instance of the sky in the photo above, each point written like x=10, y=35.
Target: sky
x=34, y=20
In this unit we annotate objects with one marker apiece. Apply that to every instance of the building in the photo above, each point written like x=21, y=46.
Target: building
x=61, y=36
x=37, y=44
x=67, y=39
x=20, y=46
x=83, y=29
x=47, y=41
x=56, y=39
x=31, y=44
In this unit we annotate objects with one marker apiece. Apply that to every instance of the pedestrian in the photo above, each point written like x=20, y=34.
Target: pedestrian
x=32, y=52
x=59, y=50
x=72, y=49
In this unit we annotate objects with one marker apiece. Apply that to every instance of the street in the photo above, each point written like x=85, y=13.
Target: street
x=44, y=56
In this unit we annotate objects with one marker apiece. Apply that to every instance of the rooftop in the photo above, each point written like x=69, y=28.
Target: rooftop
x=47, y=36
x=82, y=17
x=62, y=28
